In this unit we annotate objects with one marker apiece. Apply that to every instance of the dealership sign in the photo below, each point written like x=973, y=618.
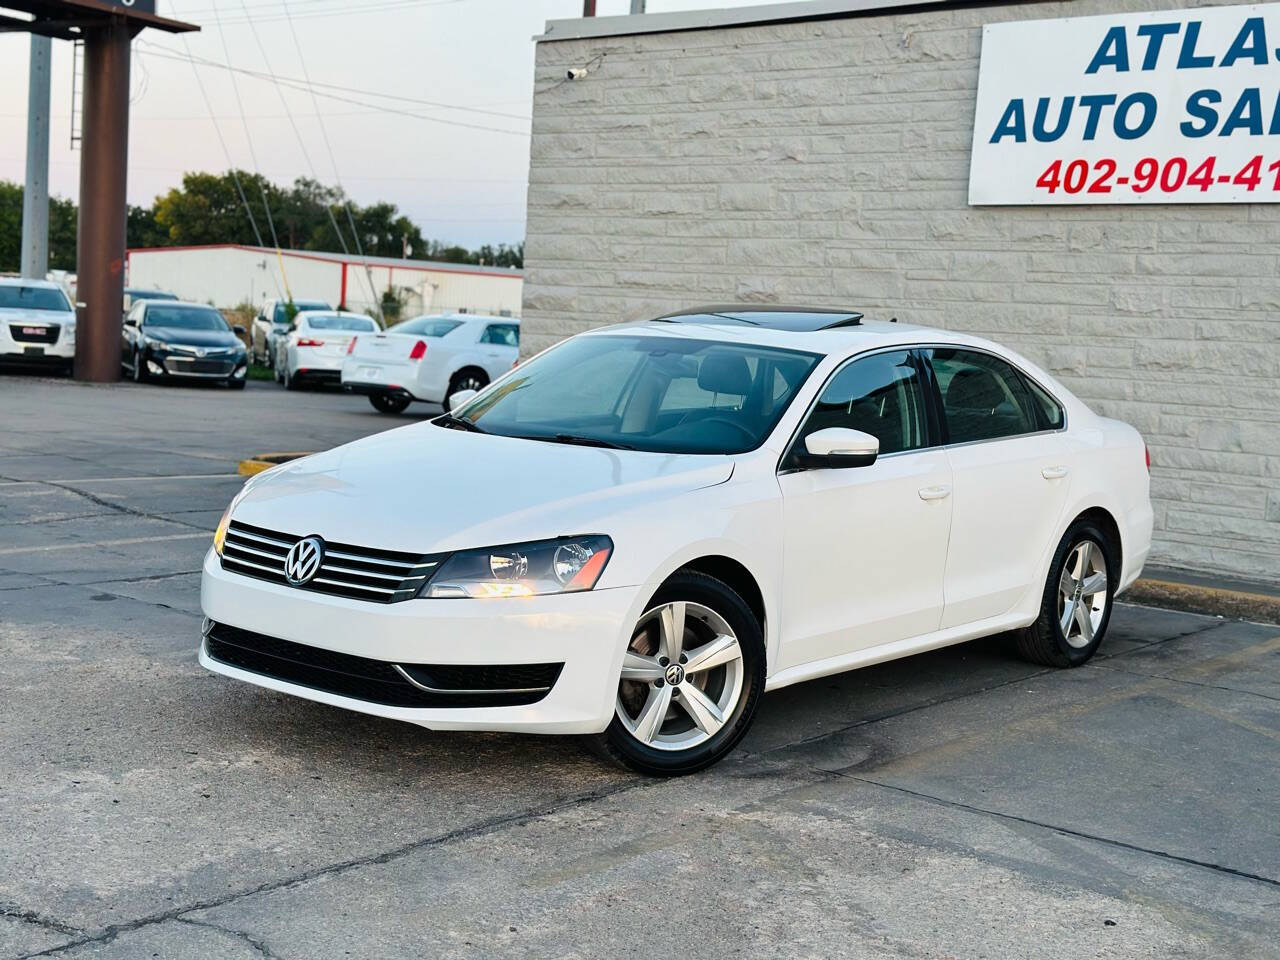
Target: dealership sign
x=1165, y=107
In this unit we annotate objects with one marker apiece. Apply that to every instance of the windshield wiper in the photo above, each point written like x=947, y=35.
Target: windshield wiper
x=576, y=440
x=457, y=423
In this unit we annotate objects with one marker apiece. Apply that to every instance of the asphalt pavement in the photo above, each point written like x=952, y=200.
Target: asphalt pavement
x=961, y=803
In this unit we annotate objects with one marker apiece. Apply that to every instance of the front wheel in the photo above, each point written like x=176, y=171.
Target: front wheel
x=386, y=404
x=691, y=680
x=139, y=368
x=1075, y=608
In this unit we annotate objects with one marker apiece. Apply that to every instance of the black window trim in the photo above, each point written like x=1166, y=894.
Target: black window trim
x=935, y=418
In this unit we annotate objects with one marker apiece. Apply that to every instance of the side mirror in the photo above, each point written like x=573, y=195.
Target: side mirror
x=837, y=447
x=130, y=322
x=238, y=329
x=462, y=396
x=262, y=318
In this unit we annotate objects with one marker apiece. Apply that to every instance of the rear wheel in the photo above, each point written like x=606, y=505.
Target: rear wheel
x=387, y=404
x=691, y=680
x=468, y=378
x=1075, y=608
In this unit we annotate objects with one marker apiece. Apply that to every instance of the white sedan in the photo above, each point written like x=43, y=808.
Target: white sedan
x=315, y=344
x=37, y=323
x=638, y=532
x=431, y=358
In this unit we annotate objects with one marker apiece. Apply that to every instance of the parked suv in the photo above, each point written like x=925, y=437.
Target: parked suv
x=37, y=323
x=270, y=324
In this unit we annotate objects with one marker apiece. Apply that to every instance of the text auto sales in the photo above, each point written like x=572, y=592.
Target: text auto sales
x=1132, y=116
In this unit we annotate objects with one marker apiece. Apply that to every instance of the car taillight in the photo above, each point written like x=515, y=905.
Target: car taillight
x=351, y=347
x=419, y=350
x=1147, y=451
x=308, y=342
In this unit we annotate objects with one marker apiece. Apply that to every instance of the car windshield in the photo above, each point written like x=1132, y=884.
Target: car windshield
x=184, y=318
x=335, y=321
x=33, y=298
x=661, y=394
x=283, y=315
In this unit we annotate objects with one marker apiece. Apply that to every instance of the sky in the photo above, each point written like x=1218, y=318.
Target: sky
x=462, y=181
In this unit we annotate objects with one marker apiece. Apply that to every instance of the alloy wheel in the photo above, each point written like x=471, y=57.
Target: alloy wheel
x=1082, y=594
x=682, y=677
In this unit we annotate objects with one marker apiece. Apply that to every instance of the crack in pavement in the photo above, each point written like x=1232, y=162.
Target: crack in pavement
x=258, y=945
x=40, y=920
x=1067, y=831
x=1193, y=683
x=1177, y=636
x=118, y=507
x=480, y=828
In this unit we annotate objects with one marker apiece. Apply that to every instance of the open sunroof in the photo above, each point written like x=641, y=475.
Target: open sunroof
x=793, y=319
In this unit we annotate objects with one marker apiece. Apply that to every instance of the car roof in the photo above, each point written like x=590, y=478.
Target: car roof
x=180, y=303
x=462, y=317
x=25, y=282
x=813, y=329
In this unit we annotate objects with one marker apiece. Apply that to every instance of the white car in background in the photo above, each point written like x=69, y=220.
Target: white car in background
x=312, y=347
x=430, y=358
x=37, y=323
x=639, y=531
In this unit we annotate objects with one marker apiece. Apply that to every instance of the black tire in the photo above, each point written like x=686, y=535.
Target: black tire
x=139, y=367
x=387, y=404
x=1044, y=642
x=234, y=384
x=289, y=380
x=618, y=745
x=468, y=378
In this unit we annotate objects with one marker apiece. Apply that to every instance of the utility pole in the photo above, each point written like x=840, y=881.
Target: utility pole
x=637, y=7
x=35, y=195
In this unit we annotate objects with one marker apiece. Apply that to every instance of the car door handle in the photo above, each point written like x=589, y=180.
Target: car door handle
x=939, y=492
x=1054, y=473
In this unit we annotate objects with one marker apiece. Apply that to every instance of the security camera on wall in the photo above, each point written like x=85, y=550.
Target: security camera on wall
x=576, y=73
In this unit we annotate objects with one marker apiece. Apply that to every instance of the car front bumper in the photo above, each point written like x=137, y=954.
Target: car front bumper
x=587, y=632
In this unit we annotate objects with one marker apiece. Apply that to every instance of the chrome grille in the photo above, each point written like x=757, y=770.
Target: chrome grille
x=380, y=576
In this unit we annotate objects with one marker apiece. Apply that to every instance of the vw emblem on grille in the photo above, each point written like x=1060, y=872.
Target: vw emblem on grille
x=303, y=560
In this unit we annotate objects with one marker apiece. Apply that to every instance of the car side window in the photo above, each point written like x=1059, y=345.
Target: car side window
x=881, y=395
x=1051, y=415
x=502, y=334
x=135, y=313
x=983, y=397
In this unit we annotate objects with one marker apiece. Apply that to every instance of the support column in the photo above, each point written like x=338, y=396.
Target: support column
x=100, y=244
x=35, y=195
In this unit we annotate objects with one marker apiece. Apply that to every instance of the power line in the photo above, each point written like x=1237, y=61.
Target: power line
x=344, y=9
x=204, y=94
x=253, y=156
x=306, y=86
x=293, y=123
x=333, y=162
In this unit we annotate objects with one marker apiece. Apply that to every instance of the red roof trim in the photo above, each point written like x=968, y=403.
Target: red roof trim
x=353, y=262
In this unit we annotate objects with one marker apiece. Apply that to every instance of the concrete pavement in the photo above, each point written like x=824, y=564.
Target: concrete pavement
x=960, y=803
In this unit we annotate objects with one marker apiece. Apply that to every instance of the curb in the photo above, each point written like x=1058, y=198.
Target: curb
x=265, y=461
x=1194, y=598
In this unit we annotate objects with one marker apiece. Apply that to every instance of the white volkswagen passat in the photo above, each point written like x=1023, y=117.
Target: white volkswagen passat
x=641, y=530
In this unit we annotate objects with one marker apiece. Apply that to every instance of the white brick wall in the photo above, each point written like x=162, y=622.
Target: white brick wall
x=827, y=162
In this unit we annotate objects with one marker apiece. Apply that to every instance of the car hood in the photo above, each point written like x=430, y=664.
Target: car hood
x=192, y=338
x=40, y=317
x=424, y=489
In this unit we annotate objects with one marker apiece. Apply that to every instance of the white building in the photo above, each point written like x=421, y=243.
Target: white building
x=228, y=275
x=921, y=160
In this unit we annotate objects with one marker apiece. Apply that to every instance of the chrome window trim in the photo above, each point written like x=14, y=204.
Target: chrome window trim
x=907, y=348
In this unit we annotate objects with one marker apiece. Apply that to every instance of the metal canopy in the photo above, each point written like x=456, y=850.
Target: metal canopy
x=69, y=19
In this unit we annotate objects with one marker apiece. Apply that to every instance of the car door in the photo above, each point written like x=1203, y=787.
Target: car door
x=1010, y=477
x=499, y=347
x=864, y=548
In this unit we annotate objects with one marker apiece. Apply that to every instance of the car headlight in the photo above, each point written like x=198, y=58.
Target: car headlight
x=220, y=533
x=566, y=565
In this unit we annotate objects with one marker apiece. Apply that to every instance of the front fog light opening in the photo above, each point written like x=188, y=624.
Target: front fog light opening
x=153, y=367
